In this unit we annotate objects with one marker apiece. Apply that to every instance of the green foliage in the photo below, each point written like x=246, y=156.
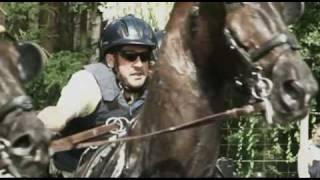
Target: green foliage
x=22, y=19
x=308, y=34
x=45, y=89
x=22, y=23
x=78, y=7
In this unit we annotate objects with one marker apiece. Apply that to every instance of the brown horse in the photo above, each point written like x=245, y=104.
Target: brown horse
x=23, y=138
x=207, y=47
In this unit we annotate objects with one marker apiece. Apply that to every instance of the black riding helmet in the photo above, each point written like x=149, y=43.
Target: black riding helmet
x=127, y=30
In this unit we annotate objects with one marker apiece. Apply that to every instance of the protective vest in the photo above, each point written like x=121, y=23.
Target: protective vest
x=112, y=104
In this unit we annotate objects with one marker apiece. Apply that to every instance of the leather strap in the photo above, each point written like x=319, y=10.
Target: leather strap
x=69, y=142
x=72, y=142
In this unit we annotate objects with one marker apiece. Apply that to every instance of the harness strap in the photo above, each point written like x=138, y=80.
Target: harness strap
x=68, y=143
x=280, y=39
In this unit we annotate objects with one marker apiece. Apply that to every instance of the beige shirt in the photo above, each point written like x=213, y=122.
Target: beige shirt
x=79, y=98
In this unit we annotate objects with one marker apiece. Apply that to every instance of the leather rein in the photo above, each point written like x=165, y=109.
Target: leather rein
x=76, y=141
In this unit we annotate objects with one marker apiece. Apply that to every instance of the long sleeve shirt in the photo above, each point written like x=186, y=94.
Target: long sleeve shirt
x=79, y=98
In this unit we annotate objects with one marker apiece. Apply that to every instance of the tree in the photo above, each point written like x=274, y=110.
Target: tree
x=2, y=15
x=48, y=25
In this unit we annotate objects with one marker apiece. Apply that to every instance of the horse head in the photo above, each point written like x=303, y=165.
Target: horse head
x=252, y=40
x=24, y=140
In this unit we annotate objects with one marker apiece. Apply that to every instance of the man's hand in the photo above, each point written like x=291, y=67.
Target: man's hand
x=52, y=118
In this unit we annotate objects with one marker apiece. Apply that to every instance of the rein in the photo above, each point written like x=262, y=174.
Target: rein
x=232, y=113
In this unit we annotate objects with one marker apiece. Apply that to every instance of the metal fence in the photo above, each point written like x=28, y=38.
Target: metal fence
x=260, y=150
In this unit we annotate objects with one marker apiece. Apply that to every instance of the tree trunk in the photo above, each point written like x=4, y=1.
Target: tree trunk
x=76, y=31
x=84, y=29
x=66, y=27
x=48, y=24
x=2, y=15
x=94, y=31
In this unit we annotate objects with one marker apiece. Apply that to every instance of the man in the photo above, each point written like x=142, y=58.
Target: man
x=309, y=156
x=114, y=87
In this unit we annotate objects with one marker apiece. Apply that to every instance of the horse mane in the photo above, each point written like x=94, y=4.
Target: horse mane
x=9, y=74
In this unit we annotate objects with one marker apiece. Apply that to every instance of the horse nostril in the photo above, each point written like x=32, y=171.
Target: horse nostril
x=22, y=146
x=22, y=142
x=294, y=89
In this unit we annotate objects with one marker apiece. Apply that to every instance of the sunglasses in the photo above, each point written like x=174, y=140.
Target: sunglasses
x=132, y=56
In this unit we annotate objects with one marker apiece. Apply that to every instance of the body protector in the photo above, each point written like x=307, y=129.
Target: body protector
x=112, y=104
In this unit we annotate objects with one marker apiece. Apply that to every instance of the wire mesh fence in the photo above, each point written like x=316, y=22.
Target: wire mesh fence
x=261, y=150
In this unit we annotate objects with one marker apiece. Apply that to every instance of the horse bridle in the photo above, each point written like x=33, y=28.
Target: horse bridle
x=259, y=86
x=23, y=103
x=254, y=55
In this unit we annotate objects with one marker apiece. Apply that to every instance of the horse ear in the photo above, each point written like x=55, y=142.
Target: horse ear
x=32, y=58
x=291, y=11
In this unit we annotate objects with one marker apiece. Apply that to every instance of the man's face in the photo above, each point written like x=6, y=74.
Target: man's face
x=132, y=63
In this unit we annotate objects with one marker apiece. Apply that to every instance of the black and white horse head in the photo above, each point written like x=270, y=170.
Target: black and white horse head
x=24, y=140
